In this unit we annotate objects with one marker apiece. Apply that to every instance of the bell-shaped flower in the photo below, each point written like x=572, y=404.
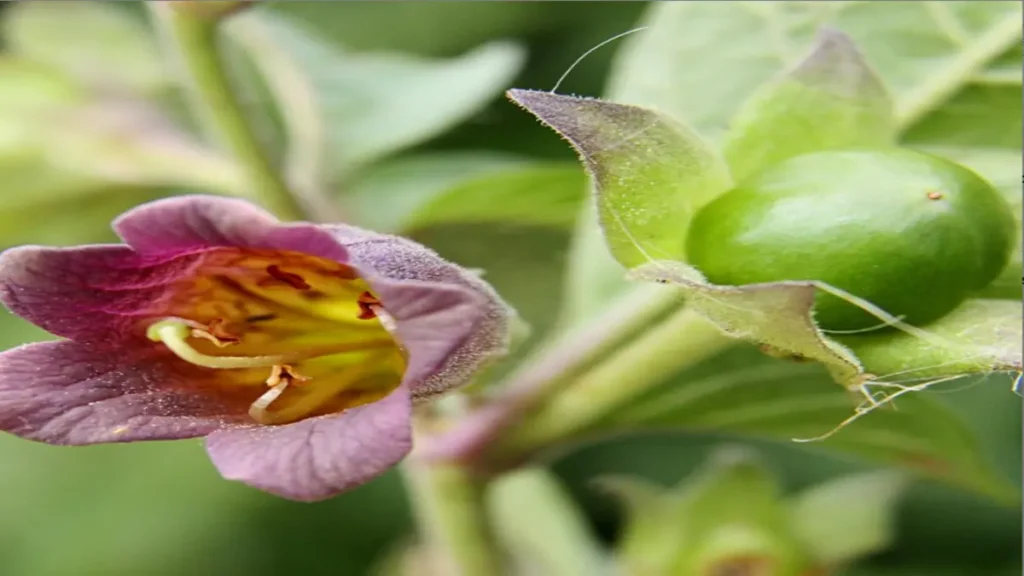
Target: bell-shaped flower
x=297, y=350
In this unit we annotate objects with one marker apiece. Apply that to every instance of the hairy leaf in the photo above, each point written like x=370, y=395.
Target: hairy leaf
x=776, y=316
x=784, y=400
x=830, y=101
x=699, y=60
x=650, y=173
x=979, y=337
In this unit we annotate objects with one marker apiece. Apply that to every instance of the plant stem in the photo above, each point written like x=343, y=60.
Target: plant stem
x=682, y=340
x=449, y=507
x=932, y=93
x=193, y=41
x=540, y=524
x=296, y=100
x=551, y=369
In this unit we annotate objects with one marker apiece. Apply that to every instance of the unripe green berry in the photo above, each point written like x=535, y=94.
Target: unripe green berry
x=910, y=232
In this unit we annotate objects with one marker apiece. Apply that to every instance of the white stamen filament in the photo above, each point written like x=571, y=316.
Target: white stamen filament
x=174, y=333
x=258, y=410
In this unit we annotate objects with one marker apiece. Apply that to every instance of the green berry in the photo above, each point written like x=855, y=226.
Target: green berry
x=910, y=232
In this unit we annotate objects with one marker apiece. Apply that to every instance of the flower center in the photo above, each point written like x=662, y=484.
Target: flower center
x=306, y=331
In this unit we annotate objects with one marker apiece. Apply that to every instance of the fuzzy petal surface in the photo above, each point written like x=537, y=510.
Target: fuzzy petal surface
x=109, y=384
x=70, y=393
x=319, y=457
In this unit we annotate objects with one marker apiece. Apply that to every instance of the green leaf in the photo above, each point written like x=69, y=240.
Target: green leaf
x=434, y=28
x=727, y=517
x=776, y=315
x=980, y=115
x=984, y=114
x=831, y=100
x=772, y=398
x=98, y=43
x=699, y=60
x=385, y=196
x=979, y=337
x=652, y=533
x=543, y=194
x=735, y=518
x=541, y=527
x=650, y=174
x=848, y=517
x=1005, y=70
x=372, y=105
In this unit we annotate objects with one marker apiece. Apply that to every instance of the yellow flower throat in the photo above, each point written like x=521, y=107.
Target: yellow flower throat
x=305, y=333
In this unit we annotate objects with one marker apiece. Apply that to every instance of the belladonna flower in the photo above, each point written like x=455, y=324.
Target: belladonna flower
x=297, y=350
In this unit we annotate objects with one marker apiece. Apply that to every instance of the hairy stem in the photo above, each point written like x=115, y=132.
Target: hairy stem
x=550, y=370
x=449, y=507
x=192, y=41
x=682, y=340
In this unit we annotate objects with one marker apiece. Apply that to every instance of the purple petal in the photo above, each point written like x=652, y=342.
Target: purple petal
x=96, y=293
x=89, y=293
x=70, y=393
x=451, y=321
x=189, y=223
x=320, y=457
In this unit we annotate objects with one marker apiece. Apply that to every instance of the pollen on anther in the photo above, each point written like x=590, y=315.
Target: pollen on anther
x=285, y=373
x=367, y=302
x=216, y=332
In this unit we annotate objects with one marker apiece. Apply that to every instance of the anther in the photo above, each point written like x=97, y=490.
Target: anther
x=289, y=278
x=281, y=377
x=216, y=333
x=285, y=372
x=368, y=306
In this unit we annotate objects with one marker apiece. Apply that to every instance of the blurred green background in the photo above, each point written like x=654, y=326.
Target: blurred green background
x=161, y=509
